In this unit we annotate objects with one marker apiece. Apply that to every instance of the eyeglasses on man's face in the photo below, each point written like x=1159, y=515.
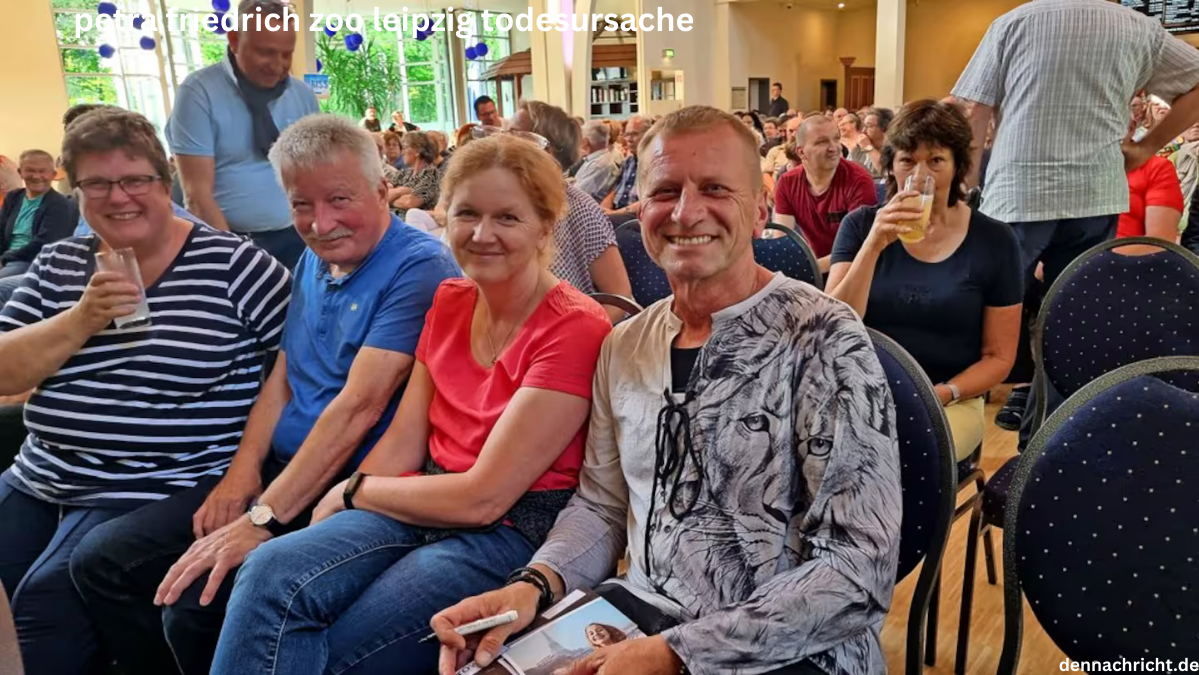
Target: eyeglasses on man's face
x=134, y=186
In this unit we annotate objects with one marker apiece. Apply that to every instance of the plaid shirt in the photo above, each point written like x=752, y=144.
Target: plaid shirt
x=626, y=187
x=1060, y=74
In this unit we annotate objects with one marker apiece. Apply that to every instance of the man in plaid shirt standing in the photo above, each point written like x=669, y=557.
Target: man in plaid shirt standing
x=1058, y=76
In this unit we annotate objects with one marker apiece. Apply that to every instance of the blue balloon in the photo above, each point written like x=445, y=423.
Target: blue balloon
x=138, y=21
x=106, y=51
x=219, y=28
x=481, y=49
x=353, y=41
x=221, y=6
x=107, y=8
x=470, y=54
x=147, y=42
x=319, y=66
x=329, y=31
x=421, y=35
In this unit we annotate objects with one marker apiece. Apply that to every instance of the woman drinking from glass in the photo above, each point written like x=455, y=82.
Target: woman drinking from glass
x=952, y=299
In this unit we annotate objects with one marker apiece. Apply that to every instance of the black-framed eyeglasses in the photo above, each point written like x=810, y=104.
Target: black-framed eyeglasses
x=134, y=186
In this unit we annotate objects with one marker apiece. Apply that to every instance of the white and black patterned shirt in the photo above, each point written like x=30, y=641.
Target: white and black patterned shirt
x=789, y=550
x=581, y=237
x=138, y=414
x=1060, y=74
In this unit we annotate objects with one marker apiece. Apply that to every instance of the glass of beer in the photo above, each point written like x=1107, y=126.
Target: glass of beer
x=124, y=262
x=927, y=187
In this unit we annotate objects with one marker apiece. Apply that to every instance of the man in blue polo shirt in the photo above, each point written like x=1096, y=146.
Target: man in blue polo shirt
x=358, y=304
x=226, y=117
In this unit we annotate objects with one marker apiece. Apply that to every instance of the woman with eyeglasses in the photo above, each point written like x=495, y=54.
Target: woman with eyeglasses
x=483, y=452
x=121, y=417
x=418, y=184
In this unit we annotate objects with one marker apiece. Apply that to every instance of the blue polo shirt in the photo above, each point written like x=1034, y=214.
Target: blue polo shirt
x=381, y=304
x=210, y=119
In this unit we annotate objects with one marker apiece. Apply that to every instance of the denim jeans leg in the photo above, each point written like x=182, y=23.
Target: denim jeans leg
x=54, y=631
x=292, y=588
x=117, y=569
x=11, y=277
x=27, y=524
x=380, y=632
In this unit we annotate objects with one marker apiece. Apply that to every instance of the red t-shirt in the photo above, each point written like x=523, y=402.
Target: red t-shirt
x=818, y=217
x=1155, y=184
x=555, y=349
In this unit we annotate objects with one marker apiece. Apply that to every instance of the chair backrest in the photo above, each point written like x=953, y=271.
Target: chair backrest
x=928, y=477
x=1101, y=522
x=627, y=305
x=789, y=254
x=928, y=465
x=1108, y=310
x=880, y=191
x=648, y=280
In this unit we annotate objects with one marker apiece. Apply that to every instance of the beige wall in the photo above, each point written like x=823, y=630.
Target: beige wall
x=796, y=47
x=33, y=95
x=941, y=37
x=855, y=37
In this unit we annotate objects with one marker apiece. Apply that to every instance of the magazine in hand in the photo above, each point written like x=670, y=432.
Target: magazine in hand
x=563, y=634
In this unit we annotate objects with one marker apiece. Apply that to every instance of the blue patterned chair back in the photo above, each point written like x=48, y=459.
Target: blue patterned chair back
x=928, y=479
x=1102, y=530
x=648, y=280
x=927, y=462
x=789, y=254
x=1108, y=310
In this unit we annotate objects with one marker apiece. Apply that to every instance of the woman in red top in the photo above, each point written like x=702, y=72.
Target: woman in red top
x=483, y=452
x=1154, y=206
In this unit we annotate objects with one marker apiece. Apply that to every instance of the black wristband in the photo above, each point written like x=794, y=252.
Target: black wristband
x=539, y=581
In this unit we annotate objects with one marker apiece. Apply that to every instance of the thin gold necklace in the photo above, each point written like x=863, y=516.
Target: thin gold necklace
x=495, y=353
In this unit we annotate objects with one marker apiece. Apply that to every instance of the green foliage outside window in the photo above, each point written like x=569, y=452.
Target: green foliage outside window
x=360, y=79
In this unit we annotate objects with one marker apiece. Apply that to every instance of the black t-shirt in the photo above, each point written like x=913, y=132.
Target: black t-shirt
x=682, y=361
x=935, y=310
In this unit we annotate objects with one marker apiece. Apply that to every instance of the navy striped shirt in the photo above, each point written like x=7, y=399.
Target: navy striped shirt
x=139, y=414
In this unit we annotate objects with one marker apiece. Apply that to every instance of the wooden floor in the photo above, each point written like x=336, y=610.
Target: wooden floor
x=1039, y=654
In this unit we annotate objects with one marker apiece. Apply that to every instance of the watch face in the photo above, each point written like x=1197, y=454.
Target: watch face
x=261, y=514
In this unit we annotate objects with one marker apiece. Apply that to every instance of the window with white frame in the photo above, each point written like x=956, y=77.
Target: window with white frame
x=192, y=46
x=426, y=94
x=129, y=76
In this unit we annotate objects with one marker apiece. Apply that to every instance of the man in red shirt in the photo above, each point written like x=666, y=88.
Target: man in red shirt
x=815, y=197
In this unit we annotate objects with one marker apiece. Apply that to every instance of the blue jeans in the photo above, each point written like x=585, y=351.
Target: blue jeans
x=10, y=277
x=285, y=245
x=36, y=541
x=354, y=594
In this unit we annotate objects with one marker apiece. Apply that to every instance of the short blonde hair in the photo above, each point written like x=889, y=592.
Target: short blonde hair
x=694, y=119
x=538, y=174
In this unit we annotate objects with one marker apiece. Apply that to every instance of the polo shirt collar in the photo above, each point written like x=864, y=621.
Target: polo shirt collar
x=325, y=275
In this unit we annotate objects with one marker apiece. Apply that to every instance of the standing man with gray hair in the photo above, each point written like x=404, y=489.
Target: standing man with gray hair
x=360, y=296
x=600, y=169
x=225, y=119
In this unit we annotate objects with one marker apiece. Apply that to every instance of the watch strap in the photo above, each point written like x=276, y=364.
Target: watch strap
x=352, y=486
x=276, y=528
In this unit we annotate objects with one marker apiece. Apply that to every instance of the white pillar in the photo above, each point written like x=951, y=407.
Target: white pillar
x=580, y=68
x=889, y=53
x=551, y=81
x=722, y=81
